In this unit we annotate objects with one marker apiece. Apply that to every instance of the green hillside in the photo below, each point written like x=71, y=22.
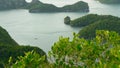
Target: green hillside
x=5, y=37
x=9, y=48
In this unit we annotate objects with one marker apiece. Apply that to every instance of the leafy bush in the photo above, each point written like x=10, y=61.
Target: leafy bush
x=30, y=60
x=7, y=51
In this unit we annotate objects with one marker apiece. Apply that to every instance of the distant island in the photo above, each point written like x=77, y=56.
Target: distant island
x=12, y=4
x=110, y=1
x=36, y=6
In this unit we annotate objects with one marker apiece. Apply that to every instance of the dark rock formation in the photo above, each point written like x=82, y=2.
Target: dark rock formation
x=37, y=6
x=67, y=20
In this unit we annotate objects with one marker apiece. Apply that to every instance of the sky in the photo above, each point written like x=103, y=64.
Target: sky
x=60, y=2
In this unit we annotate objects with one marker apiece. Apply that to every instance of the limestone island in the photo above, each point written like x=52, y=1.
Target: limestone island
x=12, y=4
x=36, y=7
x=92, y=22
x=110, y=1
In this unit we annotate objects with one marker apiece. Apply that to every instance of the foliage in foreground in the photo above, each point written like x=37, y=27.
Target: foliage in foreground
x=30, y=60
x=101, y=52
x=7, y=50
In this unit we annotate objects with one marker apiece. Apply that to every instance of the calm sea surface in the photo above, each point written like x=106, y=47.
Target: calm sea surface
x=43, y=29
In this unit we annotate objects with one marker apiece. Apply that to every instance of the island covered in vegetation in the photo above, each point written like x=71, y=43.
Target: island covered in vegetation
x=110, y=1
x=12, y=4
x=93, y=22
x=37, y=6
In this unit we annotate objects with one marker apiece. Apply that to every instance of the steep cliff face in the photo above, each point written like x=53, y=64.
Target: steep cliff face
x=67, y=20
x=12, y=4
